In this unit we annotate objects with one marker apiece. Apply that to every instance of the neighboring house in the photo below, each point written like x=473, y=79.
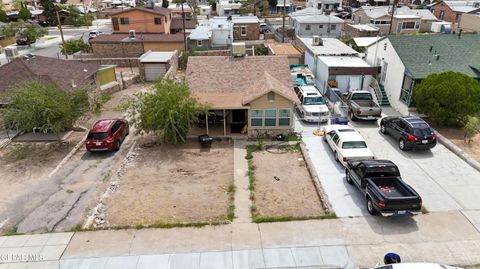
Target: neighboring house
x=142, y=20
x=252, y=94
x=176, y=25
x=109, y=4
x=426, y=19
x=155, y=64
x=406, y=60
x=286, y=49
x=222, y=31
x=470, y=23
x=204, y=10
x=325, y=5
x=66, y=74
x=121, y=45
x=177, y=10
x=404, y=20
x=310, y=22
x=245, y=28
x=360, y=30
x=452, y=11
x=331, y=59
x=228, y=7
x=200, y=38
x=283, y=5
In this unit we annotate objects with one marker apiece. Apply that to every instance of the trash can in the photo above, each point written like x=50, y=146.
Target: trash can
x=205, y=140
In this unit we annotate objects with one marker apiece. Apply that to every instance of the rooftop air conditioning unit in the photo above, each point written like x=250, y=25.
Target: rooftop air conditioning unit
x=238, y=49
x=11, y=53
x=131, y=34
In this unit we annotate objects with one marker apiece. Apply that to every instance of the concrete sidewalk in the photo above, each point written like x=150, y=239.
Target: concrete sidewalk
x=446, y=237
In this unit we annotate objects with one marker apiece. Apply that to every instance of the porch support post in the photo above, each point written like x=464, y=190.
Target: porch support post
x=206, y=121
x=224, y=124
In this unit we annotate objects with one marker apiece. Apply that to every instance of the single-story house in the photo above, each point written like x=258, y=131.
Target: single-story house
x=251, y=95
x=66, y=74
x=121, y=45
x=200, y=38
x=286, y=49
x=155, y=64
x=360, y=30
x=406, y=60
x=176, y=26
x=311, y=21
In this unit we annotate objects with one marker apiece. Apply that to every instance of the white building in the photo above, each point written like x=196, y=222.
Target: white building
x=332, y=60
x=228, y=7
x=222, y=31
x=311, y=21
x=325, y=5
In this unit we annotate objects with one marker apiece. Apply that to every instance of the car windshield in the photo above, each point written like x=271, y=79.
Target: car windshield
x=97, y=136
x=362, y=96
x=354, y=145
x=318, y=100
x=421, y=129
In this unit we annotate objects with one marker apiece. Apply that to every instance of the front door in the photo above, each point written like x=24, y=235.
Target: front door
x=239, y=119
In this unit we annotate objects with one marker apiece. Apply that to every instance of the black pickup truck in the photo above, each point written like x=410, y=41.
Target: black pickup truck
x=380, y=182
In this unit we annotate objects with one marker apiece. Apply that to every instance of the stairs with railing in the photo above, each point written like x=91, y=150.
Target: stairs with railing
x=380, y=93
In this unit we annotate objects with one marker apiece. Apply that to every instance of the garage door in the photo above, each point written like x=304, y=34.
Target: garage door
x=154, y=71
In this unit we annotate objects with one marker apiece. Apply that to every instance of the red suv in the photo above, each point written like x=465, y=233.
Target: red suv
x=107, y=135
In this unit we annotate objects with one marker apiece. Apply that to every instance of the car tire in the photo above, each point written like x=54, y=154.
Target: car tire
x=117, y=145
x=402, y=145
x=336, y=157
x=128, y=132
x=352, y=116
x=348, y=177
x=382, y=128
x=371, y=210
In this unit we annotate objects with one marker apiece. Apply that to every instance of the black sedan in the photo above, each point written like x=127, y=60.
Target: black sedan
x=410, y=132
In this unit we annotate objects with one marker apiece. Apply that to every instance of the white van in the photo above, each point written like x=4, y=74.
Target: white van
x=313, y=107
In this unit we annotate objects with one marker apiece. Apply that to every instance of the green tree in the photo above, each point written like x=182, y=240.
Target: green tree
x=471, y=128
x=49, y=11
x=22, y=29
x=165, y=3
x=25, y=14
x=44, y=106
x=168, y=111
x=75, y=45
x=213, y=3
x=3, y=15
x=255, y=6
x=18, y=4
x=448, y=98
x=76, y=18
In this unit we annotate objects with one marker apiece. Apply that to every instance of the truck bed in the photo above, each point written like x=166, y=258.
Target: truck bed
x=392, y=187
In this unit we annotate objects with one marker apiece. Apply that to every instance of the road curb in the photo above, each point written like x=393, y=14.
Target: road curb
x=457, y=151
x=70, y=154
x=316, y=180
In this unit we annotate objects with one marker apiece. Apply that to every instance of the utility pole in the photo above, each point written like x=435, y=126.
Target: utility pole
x=391, y=18
x=184, y=33
x=61, y=34
x=283, y=23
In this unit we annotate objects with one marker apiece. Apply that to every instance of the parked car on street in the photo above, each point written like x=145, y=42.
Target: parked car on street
x=312, y=107
x=410, y=132
x=107, y=135
x=361, y=106
x=23, y=41
x=263, y=28
x=384, y=190
x=346, y=143
x=94, y=33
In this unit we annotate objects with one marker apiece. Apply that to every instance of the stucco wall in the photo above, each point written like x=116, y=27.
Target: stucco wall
x=470, y=22
x=117, y=49
x=301, y=29
x=143, y=22
x=164, y=46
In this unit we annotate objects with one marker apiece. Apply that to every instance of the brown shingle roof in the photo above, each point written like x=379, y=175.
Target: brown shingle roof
x=177, y=24
x=266, y=84
x=237, y=77
x=60, y=72
x=167, y=38
x=156, y=10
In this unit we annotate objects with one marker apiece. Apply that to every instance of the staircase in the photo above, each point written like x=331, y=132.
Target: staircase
x=380, y=93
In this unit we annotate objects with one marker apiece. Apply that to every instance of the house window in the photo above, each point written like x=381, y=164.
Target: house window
x=257, y=118
x=458, y=16
x=406, y=93
x=320, y=26
x=333, y=27
x=243, y=30
x=270, y=118
x=199, y=43
x=307, y=27
x=158, y=20
x=284, y=117
x=271, y=96
x=442, y=14
x=384, y=72
x=408, y=25
x=124, y=21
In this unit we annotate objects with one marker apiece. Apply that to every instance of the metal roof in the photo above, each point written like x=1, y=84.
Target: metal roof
x=202, y=32
x=317, y=19
x=331, y=46
x=156, y=56
x=245, y=19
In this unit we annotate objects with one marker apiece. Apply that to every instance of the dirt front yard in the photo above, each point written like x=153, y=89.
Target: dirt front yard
x=168, y=184
x=283, y=186
x=456, y=135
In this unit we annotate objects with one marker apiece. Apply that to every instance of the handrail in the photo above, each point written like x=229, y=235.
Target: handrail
x=376, y=88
